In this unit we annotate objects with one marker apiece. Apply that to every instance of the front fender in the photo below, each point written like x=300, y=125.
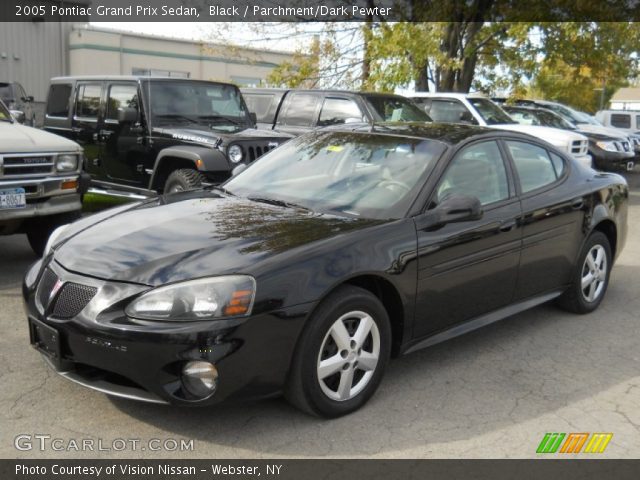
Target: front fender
x=203, y=159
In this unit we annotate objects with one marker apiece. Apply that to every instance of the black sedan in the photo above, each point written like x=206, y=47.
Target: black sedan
x=306, y=272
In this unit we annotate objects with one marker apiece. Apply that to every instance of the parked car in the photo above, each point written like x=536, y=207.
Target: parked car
x=608, y=152
x=16, y=99
x=300, y=111
x=476, y=109
x=144, y=134
x=304, y=273
x=626, y=121
x=40, y=181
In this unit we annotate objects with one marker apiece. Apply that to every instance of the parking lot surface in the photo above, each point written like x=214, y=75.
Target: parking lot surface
x=493, y=393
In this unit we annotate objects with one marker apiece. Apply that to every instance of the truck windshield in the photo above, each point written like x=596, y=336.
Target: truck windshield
x=490, y=112
x=395, y=109
x=5, y=116
x=218, y=106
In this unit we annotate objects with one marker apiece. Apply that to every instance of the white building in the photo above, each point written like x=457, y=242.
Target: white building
x=626, y=99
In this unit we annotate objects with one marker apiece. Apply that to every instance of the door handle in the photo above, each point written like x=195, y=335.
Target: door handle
x=507, y=225
x=577, y=203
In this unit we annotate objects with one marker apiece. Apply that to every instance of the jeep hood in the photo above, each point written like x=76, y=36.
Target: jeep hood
x=16, y=138
x=193, y=234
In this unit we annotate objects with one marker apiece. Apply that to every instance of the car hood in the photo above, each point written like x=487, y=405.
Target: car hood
x=555, y=136
x=191, y=235
x=203, y=135
x=601, y=130
x=16, y=138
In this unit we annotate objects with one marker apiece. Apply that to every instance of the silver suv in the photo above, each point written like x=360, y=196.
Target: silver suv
x=41, y=183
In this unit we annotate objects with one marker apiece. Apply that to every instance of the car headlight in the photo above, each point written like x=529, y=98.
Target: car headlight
x=66, y=163
x=196, y=300
x=53, y=238
x=607, y=146
x=235, y=153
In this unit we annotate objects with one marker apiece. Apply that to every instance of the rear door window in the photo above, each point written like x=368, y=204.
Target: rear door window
x=449, y=111
x=58, y=100
x=88, y=100
x=534, y=165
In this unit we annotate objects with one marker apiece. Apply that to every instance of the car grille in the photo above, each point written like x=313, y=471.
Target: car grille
x=254, y=150
x=72, y=299
x=579, y=147
x=26, y=165
x=69, y=301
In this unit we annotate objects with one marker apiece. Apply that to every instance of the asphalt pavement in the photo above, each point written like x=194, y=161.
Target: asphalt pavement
x=493, y=393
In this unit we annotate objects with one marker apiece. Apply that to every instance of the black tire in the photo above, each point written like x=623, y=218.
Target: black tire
x=304, y=389
x=183, y=179
x=575, y=298
x=39, y=229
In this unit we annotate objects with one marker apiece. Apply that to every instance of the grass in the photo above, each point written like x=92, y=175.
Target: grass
x=94, y=202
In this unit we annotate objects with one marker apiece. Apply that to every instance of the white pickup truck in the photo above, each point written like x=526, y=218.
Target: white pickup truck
x=477, y=109
x=41, y=182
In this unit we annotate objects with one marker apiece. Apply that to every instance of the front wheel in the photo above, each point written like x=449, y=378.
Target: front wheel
x=591, y=277
x=342, y=354
x=183, y=179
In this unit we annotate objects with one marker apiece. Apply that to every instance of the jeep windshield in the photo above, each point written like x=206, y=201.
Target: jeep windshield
x=354, y=174
x=490, y=112
x=212, y=105
x=5, y=116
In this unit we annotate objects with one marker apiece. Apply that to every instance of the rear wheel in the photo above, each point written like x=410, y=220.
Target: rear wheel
x=591, y=277
x=342, y=354
x=183, y=179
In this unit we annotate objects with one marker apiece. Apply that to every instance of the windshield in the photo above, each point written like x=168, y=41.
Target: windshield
x=354, y=173
x=490, y=112
x=5, y=116
x=218, y=106
x=395, y=109
x=550, y=119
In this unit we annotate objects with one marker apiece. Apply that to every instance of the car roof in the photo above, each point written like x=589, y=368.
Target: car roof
x=319, y=90
x=129, y=78
x=448, y=133
x=446, y=95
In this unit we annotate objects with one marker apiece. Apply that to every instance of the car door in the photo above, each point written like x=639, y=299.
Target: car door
x=469, y=268
x=122, y=144
x=299, y=113
x=86, y=113
x=552, y=219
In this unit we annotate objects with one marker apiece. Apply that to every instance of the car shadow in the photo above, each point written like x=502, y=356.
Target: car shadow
x=15, y=258
x=511, y=372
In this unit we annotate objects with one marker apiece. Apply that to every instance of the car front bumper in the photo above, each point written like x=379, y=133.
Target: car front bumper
x=101, y=349
x=604, y=159
x=45, y=196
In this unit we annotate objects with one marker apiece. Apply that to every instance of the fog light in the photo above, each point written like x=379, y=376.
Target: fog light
x=200, y=378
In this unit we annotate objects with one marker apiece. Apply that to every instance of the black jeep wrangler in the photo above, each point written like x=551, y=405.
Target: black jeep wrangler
x=144, y=135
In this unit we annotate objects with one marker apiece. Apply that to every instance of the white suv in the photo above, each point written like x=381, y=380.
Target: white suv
x=477, y=109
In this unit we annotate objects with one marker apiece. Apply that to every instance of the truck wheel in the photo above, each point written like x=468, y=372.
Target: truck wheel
x=39, y=229
x=183, y=179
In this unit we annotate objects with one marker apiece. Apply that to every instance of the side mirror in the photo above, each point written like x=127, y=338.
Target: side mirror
x=239, y=169
x=454, y=208
x=28, y=99
x=127, y=115
x=18, y=115
x=466, y=117
x=253, y=117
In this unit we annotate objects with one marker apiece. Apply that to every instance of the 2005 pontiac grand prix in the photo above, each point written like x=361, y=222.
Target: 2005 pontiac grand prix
x=307, y=271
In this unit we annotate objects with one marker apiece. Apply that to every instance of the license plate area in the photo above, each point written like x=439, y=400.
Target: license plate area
x=45, y=339
x=13, y=198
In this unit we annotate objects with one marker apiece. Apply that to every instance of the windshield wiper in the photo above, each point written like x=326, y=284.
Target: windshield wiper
x=177, y=117
x=280, y=203
x=219, y=117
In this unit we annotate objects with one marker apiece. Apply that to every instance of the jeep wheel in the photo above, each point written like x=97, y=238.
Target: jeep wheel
x=183, y=179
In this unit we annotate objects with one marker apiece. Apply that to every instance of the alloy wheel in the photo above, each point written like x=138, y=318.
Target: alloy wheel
x=594, y=273
x=348, y=356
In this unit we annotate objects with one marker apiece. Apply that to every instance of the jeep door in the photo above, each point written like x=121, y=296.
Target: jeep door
x=122, y=144
x=84, y=126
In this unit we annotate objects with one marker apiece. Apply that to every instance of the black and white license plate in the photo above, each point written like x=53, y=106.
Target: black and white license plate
x=44, y=338
x=13, y=198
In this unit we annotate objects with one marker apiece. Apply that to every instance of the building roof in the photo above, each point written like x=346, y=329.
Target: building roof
x=627, y=94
